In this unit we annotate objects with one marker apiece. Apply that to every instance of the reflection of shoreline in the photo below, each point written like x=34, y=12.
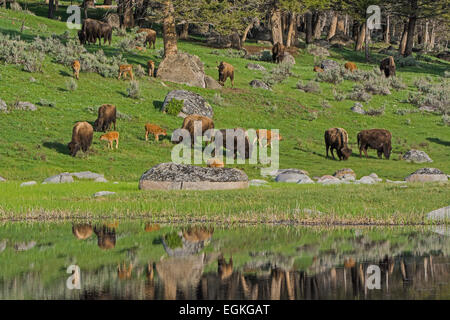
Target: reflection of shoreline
x=443, y=230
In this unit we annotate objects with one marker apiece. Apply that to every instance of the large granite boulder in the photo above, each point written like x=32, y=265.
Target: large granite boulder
x=417, y=156
x=293, y=177
x=26, y=106
x=427, y=175
x=277, y=172
x=172, y=176
x=193, y=103
x=345, y=174
x=211, y=83
x=87, y=175
x=439, y=214
x=328, y=64
x=288, y=59
x=64, y=177
x=182, y=68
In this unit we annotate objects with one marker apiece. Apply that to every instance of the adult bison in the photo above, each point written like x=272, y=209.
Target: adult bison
x=387, y=66
x=93, y=29
x=378, y=139
x=106, y=117
x=277, y=52
x=105, y=32
x=226, y=71
x=337, y=138
x=189, y=125
x=82, y=134
x=150, y=37
x=239, y=142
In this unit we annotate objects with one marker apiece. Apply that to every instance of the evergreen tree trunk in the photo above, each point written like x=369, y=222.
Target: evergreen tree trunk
x=317, y=28
x=402, y=45
x=410, y=37
x=340, y=27
x=275, y=21
x=51, y=9
x=169, y=30
x=291, y=33
x=361, y=37
x=366, y=41
x=426, y=38
x=185, y=31
x=333, y=25
x=432, y=35
x=308, y=26
x=387, y=32
x=125, y=11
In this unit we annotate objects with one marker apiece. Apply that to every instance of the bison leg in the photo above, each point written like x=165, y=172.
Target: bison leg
x=146, y=135
x=380, y=153
x=117, y=143
x=365, y=152
x=332, y=154
x=326, y=148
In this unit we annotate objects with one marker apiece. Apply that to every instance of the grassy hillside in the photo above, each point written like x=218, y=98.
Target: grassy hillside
x=33, y=144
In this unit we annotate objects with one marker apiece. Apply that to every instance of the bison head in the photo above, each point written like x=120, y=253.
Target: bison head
x=98, y=125
x=73, y=148
x=346, y=152
x=82, y=37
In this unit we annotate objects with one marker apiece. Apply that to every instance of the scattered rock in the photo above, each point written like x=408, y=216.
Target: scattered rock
x=32, y=79
x=396, y=182
x=366, y=180
x=172, y=176
x=275, y=173
x=293, y=177
x=182, y=68
x=2, y=179
x=193, y=103
x=103, y=193
x=100, y=179
x=327, y=179
x=259, y=84
x=28, y=183
x=26, y=106
x=64, y=177
x=88, y=175
x=427, y=175
x=358, y=108
x=304, y=179
x=416, y=156
x=375, y=177
x=115, y=182
x=211, y=83
x=3, y=106
x=257, y=182
x=328, y=64
x=255, y=66
x=288, y=59
x=3, y=245
x=439, y=214
x=345, y=174
x=22, y=246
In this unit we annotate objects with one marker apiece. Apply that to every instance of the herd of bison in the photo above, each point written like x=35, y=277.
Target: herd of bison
x=335, y=138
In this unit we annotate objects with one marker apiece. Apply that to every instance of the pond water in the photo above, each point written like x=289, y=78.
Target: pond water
x=143, y=260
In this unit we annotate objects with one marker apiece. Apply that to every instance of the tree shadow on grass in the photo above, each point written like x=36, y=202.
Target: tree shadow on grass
x=57, y=146
x=439, y=141
x=64, y=73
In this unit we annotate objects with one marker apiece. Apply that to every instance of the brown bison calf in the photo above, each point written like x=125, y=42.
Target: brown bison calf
x=337, y=138
x=226, y=71
x=106, y=116
x=151, y=68
x=387, y=66
x=378, y=139
x=82, y=134
x=277, y=52
x=150, y=38
x=126, y=69
x=350, y=66
x=189, y=125
x=76, y=69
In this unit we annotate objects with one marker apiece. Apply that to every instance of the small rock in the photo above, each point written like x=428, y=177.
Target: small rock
x=3, y=245
x=3, y=106
x=305, y=180
x=327, y=178
x=275, y=173
x=100, y=179
x=59, y=178
x=22, y=246
x=289, y=177
x=28, y=183
x=257, y=182
x=427, y=175
x=103, y=193
x=439, y=214
x=255, y=66
x=397, y=182
x=366, y=180
x=2, y=179
x=358, y=108
x=345, y=174
x=27, y=106
x=87, y=175
x=288, y=59
x=211, y=83
x=32, y=79
x=375, y=177
x=115, y=182
x=259, y=84
x=416, y=156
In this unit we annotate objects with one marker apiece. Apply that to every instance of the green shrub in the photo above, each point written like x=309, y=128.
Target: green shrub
x=330, y=76
x=174, y=107
x=310, y=86
x=133, y=91
x=359, y=94
x=277, y=75
x=71, y=84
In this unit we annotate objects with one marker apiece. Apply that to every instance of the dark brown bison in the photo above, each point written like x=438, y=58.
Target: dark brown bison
x=106, y=117
x=82, y=37
x=337, y=138
x=150, y=38
x=90, y=31
x=189, y=125
x=277, y=52
x=378, y=139
x=387, y=66
x=240, y=135
x=226, y=71
x=82, y=134
x=106, y=237
x=105, y=32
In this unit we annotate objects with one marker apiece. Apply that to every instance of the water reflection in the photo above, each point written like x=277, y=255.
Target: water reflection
x=150, y=261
